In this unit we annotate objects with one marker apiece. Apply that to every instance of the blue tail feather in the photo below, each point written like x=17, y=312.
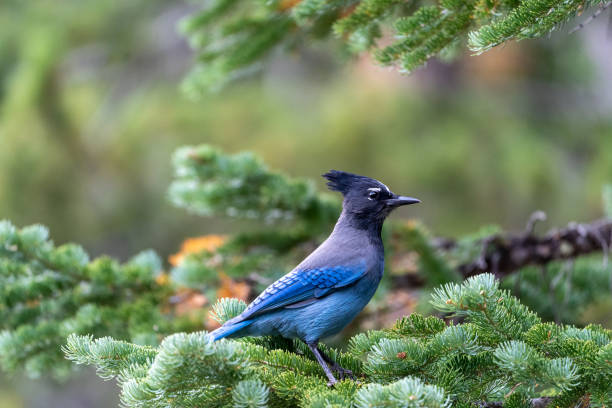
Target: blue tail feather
x=228, y=330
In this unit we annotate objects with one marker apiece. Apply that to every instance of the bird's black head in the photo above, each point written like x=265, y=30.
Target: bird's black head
x=365, y=197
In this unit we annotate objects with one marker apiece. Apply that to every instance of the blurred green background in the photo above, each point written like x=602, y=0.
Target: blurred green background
x=91, y=110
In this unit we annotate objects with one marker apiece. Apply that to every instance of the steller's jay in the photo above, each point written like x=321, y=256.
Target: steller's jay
x=334, y=283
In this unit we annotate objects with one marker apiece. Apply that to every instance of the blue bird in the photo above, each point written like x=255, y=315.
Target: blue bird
x=333, y=284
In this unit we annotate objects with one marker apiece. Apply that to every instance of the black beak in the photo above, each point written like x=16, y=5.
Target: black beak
x=398, y=200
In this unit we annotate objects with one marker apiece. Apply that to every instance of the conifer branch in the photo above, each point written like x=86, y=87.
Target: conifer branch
x=48, y=292
x=209, y=182
x=233, y=37
x=419, y=362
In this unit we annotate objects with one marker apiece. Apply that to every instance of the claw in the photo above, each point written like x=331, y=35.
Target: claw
x=330, y=365
x=343, y=372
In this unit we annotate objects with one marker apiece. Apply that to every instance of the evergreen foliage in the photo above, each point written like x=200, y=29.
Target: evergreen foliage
x=49, y=292
x=233, y=36
x=209, y=182
x=488, y=348
x=560, y=291
x=501, y=351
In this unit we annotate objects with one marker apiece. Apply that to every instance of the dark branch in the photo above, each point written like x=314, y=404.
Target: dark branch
x=505, y=253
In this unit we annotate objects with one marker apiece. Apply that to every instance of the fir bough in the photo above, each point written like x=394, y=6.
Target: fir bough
x=500, y=352
x=233, y=37
x=210, y=182
x=49, y=292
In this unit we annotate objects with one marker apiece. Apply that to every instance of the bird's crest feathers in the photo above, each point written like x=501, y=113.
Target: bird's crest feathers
x=343, y=181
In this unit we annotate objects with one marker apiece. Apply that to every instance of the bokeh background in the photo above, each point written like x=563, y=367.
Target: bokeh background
x=91, y=109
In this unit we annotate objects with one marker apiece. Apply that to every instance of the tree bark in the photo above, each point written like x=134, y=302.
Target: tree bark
x=503, y=254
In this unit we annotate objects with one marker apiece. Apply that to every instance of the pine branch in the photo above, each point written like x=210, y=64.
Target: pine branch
x=419, y=362
x=210, y=182
x=48, y=292
x=558, y=285
x=233, y=37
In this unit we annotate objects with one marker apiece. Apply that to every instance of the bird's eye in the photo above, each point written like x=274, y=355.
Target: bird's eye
x=373, y=195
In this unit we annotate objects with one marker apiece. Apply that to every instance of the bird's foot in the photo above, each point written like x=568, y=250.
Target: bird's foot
x=343, y=372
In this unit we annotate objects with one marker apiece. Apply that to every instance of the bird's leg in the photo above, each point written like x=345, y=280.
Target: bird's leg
x=313, y=347
x=342, y=372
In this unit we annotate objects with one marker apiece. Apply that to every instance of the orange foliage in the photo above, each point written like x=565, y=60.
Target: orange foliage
x=196, y=245
x=285, y=5
x=162, y=279
x=232, y=289
x=189, y=300
x=347, y=11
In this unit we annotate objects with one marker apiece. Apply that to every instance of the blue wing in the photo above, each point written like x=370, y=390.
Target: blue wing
x=300, y=286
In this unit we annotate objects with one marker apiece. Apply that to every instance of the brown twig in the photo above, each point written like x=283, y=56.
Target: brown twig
x=506, y=253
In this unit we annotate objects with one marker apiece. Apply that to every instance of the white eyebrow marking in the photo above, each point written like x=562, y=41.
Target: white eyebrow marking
x=388, y=191
x=377, y=189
